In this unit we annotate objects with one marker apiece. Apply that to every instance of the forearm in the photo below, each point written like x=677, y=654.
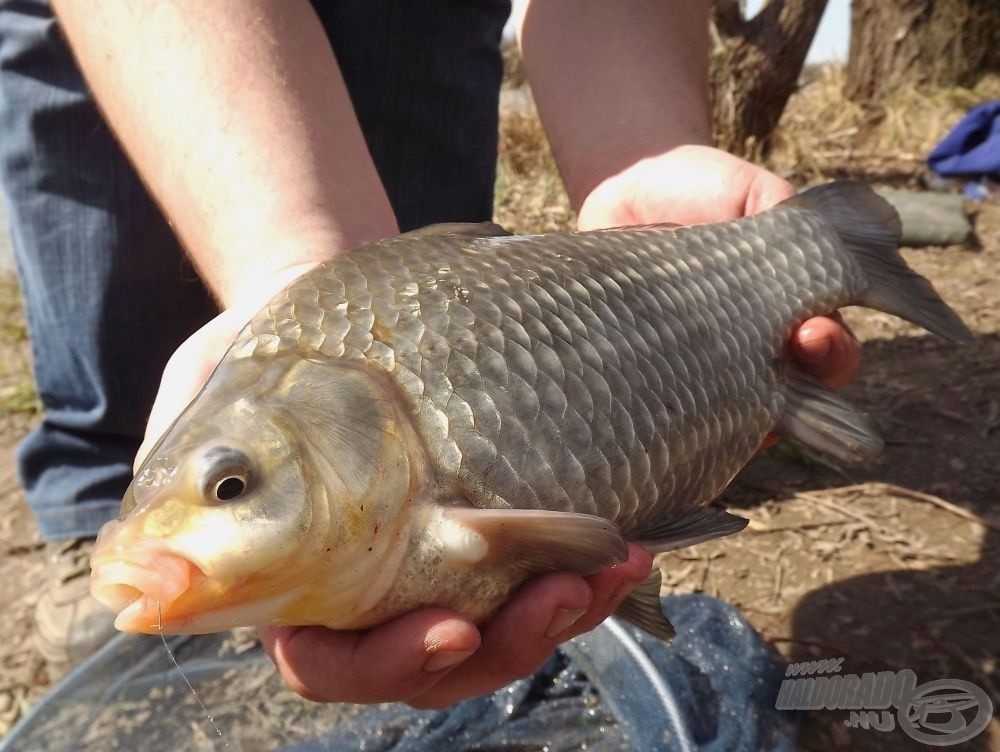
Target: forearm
x=616, y=82
x=237, y=118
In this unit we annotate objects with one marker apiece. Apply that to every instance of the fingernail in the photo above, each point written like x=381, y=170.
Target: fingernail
x=563, y=620
x=444, y=659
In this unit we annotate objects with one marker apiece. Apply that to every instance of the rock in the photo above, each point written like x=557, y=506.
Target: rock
x=929, y=218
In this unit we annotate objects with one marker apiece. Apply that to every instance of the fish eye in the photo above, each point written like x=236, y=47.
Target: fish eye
x=225, y=475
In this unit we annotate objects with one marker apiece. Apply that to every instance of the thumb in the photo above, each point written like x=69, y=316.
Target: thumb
x=193, y=362
x=186, y=373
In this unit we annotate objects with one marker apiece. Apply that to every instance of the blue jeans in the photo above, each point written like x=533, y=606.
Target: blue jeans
x=109, y=294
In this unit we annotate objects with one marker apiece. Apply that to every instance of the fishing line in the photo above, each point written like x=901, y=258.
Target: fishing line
x=159, y=627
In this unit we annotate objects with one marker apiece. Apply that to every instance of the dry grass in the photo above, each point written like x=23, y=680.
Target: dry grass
x=529, y=193
x=17, y=386
x=821, y=136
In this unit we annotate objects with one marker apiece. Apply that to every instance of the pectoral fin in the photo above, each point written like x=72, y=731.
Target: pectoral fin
x=528, y=540
x=642, y=608
x=688, y=529
x=820, y=419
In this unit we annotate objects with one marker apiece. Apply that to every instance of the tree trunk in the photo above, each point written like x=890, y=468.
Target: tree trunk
x=922, y=43
x=755, y=68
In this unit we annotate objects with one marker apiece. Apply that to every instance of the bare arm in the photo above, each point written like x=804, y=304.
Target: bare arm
x=617, y=83
x=237, y=118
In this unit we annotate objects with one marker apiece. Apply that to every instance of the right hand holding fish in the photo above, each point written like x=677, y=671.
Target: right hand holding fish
x=694, y=184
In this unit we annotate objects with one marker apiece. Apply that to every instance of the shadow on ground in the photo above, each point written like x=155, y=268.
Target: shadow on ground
x=927, y=593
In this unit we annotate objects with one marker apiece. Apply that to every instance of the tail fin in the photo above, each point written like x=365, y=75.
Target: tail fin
x=870, y=229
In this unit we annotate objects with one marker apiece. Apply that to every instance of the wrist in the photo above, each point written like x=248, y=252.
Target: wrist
x=272, y=263
x=252, y=293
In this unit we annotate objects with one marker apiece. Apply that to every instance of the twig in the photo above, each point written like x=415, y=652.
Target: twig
x=952, y=613
x=779, y=576
x=763, y=529
x=18, y=549
x=820, y=501
x=889, y=488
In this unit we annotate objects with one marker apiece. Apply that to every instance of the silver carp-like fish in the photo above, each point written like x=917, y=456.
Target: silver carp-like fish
x=431, y=419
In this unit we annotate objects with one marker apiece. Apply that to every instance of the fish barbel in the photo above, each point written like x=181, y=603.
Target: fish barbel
x=432, y=419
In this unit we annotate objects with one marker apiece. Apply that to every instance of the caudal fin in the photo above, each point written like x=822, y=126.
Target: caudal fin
x=870, y=229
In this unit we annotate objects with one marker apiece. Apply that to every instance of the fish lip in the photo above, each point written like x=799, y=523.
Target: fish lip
x=141, y=586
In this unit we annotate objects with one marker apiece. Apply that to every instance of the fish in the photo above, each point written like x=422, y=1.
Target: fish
x=434, y=418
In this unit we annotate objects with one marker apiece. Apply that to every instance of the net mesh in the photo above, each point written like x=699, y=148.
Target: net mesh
x=615, y=688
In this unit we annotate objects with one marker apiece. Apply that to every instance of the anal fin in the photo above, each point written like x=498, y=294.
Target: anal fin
x=820, y=419
x=642, y=608
x=529, y=540
x=696, y=526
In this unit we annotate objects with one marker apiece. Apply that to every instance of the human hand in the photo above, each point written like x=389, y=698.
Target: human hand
x=698, y=184
x=192, y=363
x=433, y=657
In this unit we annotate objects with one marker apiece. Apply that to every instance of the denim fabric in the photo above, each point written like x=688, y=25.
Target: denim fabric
x=108, y=292
x=424, y=78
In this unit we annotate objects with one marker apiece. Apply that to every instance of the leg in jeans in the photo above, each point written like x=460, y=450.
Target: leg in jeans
x=107, y=291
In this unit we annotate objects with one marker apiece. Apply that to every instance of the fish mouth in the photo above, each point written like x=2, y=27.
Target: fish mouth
x=143, y=587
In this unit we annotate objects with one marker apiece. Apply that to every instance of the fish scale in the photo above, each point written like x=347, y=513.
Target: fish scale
x=649, y=355
x=432, y=419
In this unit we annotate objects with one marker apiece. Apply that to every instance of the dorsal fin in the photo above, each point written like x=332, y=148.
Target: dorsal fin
x=650, y=226
x=465, y=229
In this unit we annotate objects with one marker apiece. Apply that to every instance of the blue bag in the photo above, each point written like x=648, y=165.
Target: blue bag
x=971, y=150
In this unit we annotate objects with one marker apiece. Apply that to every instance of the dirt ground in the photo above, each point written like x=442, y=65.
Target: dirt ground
x=893, y=565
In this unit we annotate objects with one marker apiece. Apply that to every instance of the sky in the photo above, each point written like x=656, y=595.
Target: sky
x=830, y=42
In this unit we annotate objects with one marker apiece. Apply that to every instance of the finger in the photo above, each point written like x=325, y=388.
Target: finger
x=611, y=586
x=765, y=191
x=395, y=661
x=825, y=348
x=546, y=611
x=517, y=639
